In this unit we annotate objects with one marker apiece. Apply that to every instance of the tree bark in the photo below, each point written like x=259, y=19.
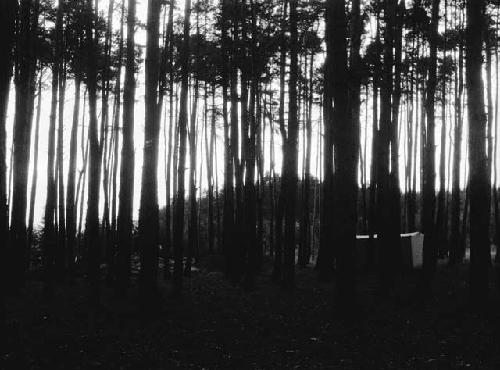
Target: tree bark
x=51, y=201
x=181, y=167
x=290, y=155
x=429, y=196
x=60, y=262
x=455, y=255
x=148, y=214
x=92, y=216
x=305, y=228
x=345, y=123
x=25, y=87
x=278, y=250
x=126, y=197
x=193, y=209
x=70, y=190
x=8, y=15
x=34, y=177
x=479, y=182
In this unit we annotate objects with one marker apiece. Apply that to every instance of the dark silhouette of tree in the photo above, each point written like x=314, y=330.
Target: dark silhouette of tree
x=148, y=213
x=34, y=176
x=182, y=123
x=167, y=66
x=326, y=253
x=193, y=147
x=49, y=233
x=455, y=251
x=429, y=192
x=8, y=15
x=92, y=216
x=127, y=162
x=278, y=250
x=479, y=182
x=346, y=100
x=228, y=210
x=290, y=156
x=25, y=89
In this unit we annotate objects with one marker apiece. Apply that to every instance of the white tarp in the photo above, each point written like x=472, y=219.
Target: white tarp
x=417, y=247
x=411, y=245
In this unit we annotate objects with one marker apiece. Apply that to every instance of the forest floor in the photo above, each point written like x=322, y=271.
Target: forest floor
x=218, y=325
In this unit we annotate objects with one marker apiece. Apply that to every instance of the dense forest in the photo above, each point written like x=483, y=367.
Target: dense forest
x=257, y=138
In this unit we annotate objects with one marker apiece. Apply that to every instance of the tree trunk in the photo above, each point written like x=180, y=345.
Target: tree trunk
x=8, y=14
x=290, y=155
x=70, y=190
x=278, y=251
x=25, y=86
x=345, y=123
x=238, y=139
x=495, y=152
x=148, y=214
x=116, y=129
x=441, y=216
x=34, y=177
x=305, y=229
x=92, y=216
x=479, y=182
x=193, y=209
x=126, y=197
x=455, y=255
x=260, y=139
x=60, y=262
x=182, y=124
x=228, y=211
x=210, y=146
x=388, y=186
x=374, y=222
x=171, y=130
x=429, y=173
x=49, y=237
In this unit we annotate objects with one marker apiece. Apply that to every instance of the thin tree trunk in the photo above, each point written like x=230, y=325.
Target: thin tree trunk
x=305, y=229
x=210, y=146
x=112, y=244
x=193, y=212
x=92, y=216
x=455, y=242
x=126, y=197
x=171, y=130
x=228, y=208
x=60, y=261
x=278, y=251
x=374, y=222
x=70, y=190
x=441, y=216
x=495, y=153
x=34, y=176
x=429, y=195
x=290, y=155
x=182, y=124
x=49, y=237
